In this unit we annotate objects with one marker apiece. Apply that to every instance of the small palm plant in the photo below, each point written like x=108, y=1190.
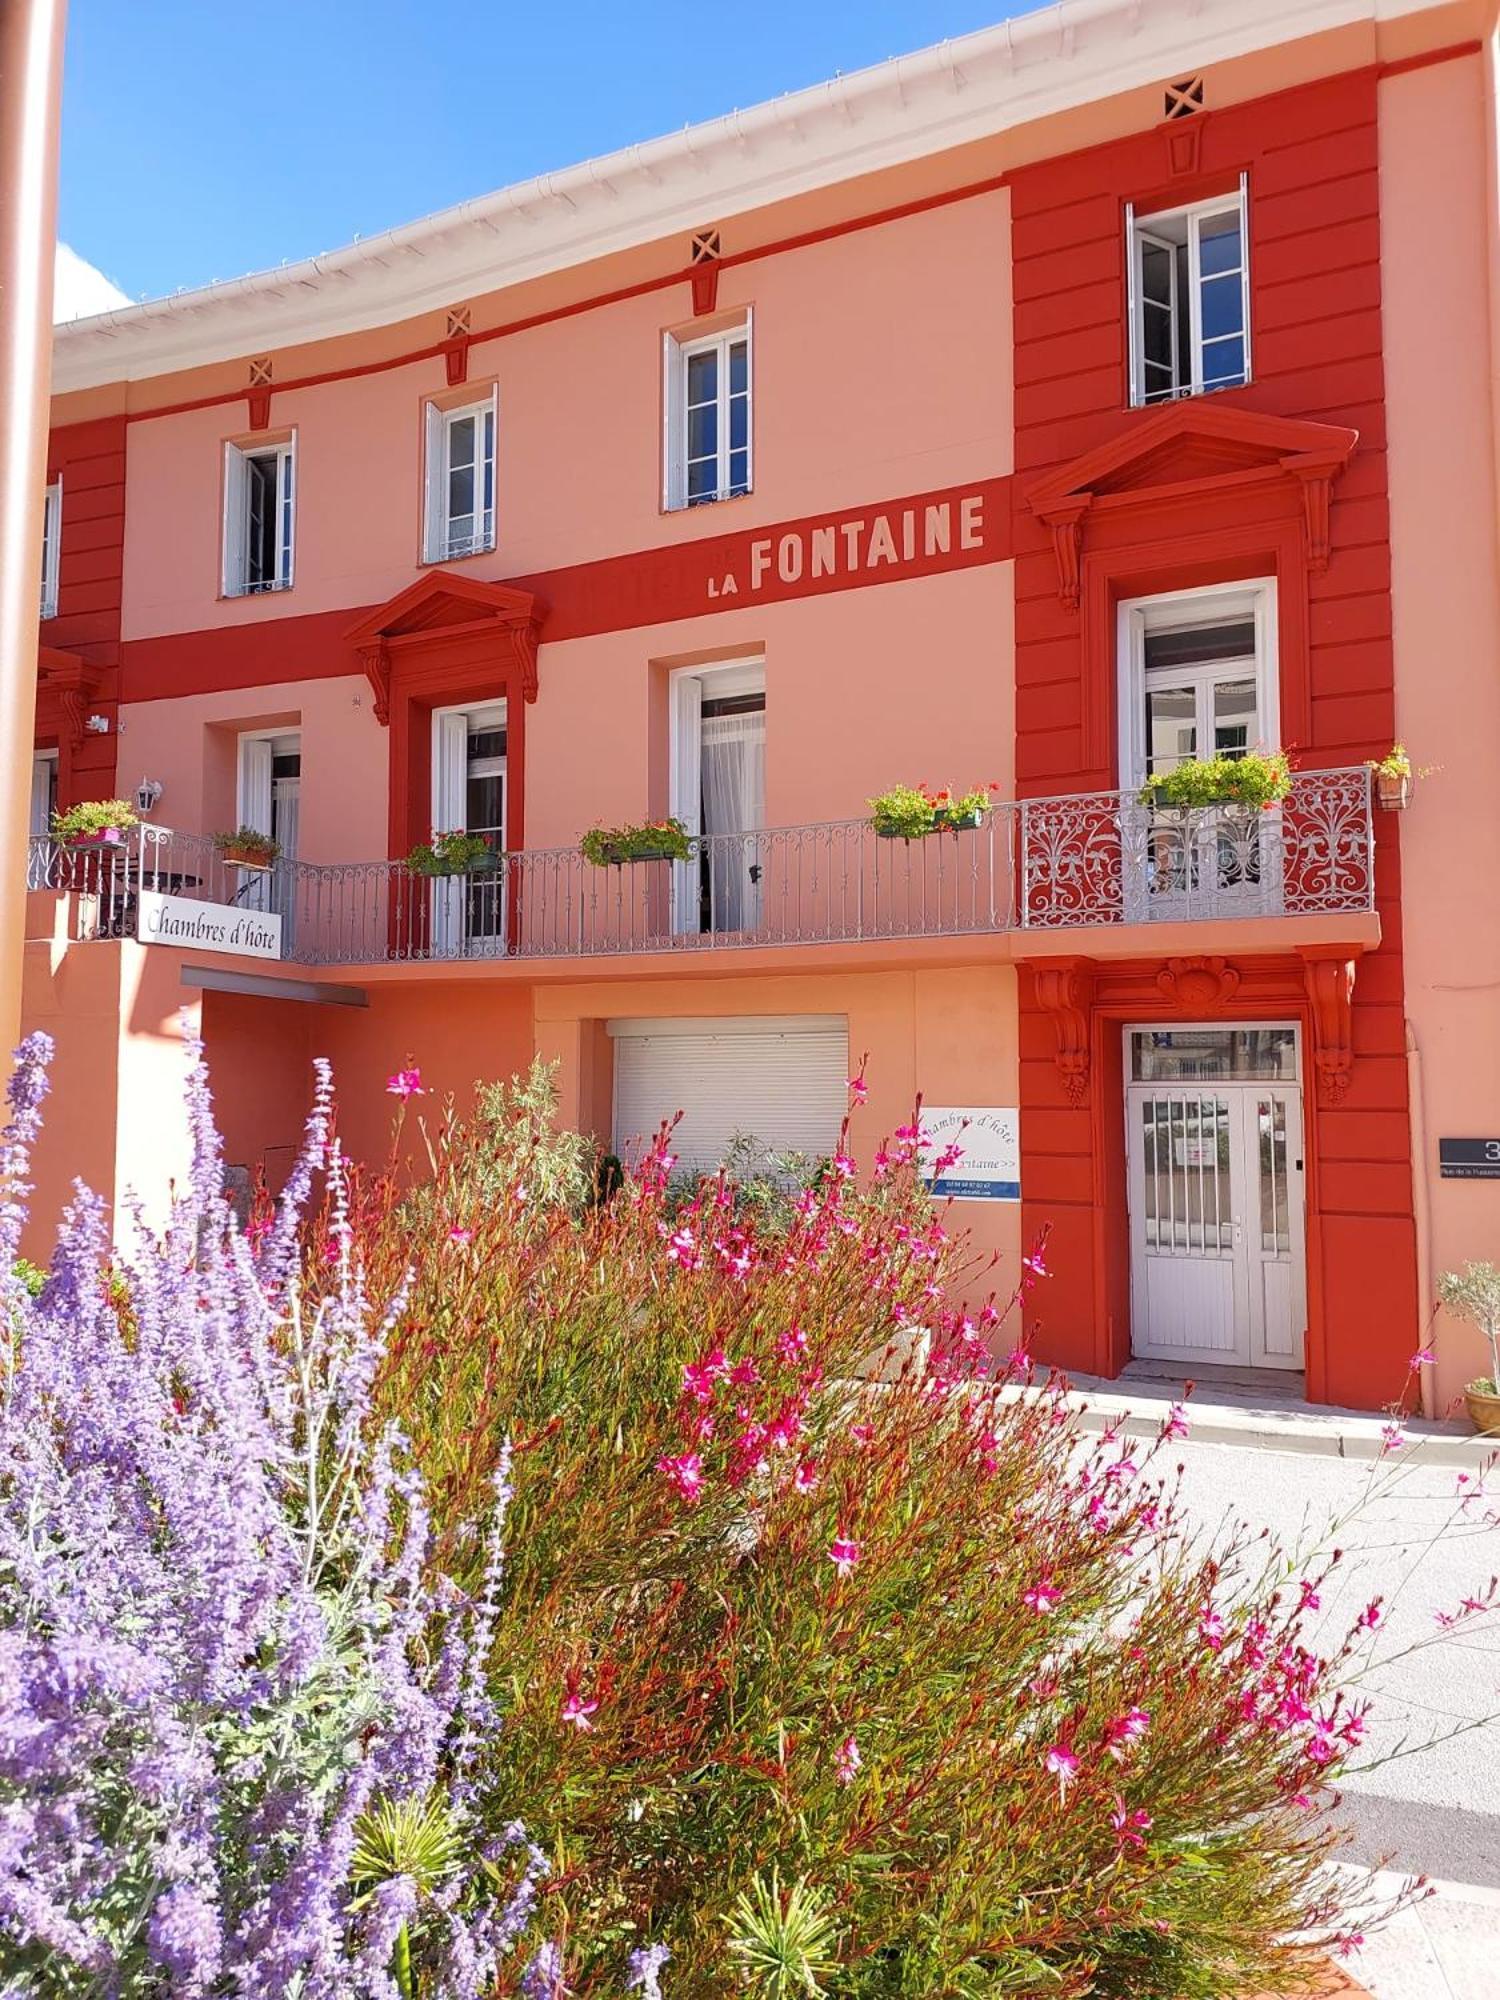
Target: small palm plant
x=785, y=1940
x=410, y=1841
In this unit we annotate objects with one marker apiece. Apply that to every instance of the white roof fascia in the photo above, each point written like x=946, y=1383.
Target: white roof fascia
x=1068, y=54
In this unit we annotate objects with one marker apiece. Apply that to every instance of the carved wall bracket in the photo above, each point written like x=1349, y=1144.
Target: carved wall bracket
x=1328, y=976
x=1064, y=990
x=375, y=657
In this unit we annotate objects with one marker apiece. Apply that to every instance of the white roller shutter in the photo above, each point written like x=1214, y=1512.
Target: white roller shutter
x=781, y=1079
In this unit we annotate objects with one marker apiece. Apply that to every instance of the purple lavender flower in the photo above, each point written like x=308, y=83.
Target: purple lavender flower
x=643, y=1970
x=220, y=1639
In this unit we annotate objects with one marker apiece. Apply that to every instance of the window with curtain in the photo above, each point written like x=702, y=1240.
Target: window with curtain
x=733, y=738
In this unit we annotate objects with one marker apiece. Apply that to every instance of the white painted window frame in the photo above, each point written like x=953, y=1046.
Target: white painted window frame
x=1210, y=605
x=677, y=349
x=46, y=767
x=235, y=580
x=1139, y=229
x=51, y=547
x=255, y=774
x=437, y=539
x=451, y=729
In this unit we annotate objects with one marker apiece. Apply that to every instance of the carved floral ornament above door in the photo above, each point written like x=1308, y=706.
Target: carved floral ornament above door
x=1191, y=452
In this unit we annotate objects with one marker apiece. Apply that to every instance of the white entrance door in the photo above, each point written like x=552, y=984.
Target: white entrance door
x=270, y=800
x=1217, y=1262
x=468, y=796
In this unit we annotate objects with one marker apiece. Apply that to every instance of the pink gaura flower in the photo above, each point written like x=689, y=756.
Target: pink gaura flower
x=1423, y=1358
x=843, y=1554
x=859, y=1090
x=1211, y=1630
x=846, y=1761
x=405, y=1083
x=699, y=1377
x=862, y=1433
x=1042, y=1596
x=744, y=1374
x=1035, y=1265
x=1308, y=1598
x=685, y=1473
x=1126, y=1729
x=1062, y=1761
x=460, y=1236
x=682, y=1249
x=792, y=1344
x=1392, y=1438
x=805, y=1478
x=1176, y=1425
x=1129, y=1826
x=1371, y=1616
x=1321, y=1747
x=577, y=1710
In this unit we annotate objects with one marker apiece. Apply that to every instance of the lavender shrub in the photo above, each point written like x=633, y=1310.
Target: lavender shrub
x=229, y=1677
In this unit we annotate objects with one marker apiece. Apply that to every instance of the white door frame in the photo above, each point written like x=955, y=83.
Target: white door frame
x=254, y=791
x=1269, y=1327
x=686, y=687
x=451, y=728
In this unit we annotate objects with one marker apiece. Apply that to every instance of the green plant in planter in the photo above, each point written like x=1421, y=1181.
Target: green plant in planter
x=953, y=812
x=455, y=853
x=1395, y=764
x=101, y=820
x=1256, y=780
x=905, y=812
x=247, y=847
x=655, y=840
x=1474, y=1294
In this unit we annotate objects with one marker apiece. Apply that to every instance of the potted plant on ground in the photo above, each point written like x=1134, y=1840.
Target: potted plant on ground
x=455, y=853
x=1255, y=781
x=656, y=840
x=94, y=823
x=1393, y=778
x=1474, y=1294
x=247, y=847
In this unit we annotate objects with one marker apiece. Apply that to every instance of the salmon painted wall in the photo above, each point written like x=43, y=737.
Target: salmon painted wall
x=89, y=460
x=1445, y=593
x=1312, y=160
x=861, y=388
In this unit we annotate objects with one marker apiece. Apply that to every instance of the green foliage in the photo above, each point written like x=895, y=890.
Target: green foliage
x=248, y=842
x=456, y=853
x=1394, y=764
x=92, y=817
x=1255, y=780
x=30, y=1276
x=766, y=1623
x=784, y=1939
x=656, y=840
x=1474, y=1294
x=909, y=812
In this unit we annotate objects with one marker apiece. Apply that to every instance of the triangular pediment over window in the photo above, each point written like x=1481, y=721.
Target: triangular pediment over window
x=441, y=605
x=1187, y=449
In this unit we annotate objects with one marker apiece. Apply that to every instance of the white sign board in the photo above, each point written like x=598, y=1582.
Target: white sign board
x=183, y=920
x=989, y=1139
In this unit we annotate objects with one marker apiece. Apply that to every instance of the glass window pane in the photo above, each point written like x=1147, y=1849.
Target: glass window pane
x=703, y=376
x=703, y=431
x=1236, y=724
x=739, y=472
x=1222, y=306
x=1158, y=338
x=739, y=423
x=1219, y=243
x=739, y=368
x=1156, y=274
x=460, y=492
x=1192, y=645
x=703, y=480
x=461, y=442
x=1223, y=363
x=1165, y=1055
x=1171, y=727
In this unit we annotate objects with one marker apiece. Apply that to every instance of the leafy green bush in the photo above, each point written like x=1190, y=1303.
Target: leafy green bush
x=92, y=818
x=248, y=843
x=1255, y=780
x=455, y=853
x=828, y=1652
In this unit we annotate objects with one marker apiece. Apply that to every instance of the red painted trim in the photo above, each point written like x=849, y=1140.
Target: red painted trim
x=649, y=587
x=1402, y=64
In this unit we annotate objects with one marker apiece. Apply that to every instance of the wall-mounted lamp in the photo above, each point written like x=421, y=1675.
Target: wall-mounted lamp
x=98, y=725
x=147, y=792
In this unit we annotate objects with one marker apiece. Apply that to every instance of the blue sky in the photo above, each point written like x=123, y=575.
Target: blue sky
x=204, y=138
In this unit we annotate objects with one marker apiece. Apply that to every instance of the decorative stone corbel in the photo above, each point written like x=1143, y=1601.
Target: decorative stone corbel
x=526, y=647
x=1328, y=976
x=1315, y=475
x=376, y=658
x=1198, y=982
x=1064, y=989
x=1063, y=517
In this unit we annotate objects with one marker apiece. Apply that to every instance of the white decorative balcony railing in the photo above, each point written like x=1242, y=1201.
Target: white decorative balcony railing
x=1071, y=862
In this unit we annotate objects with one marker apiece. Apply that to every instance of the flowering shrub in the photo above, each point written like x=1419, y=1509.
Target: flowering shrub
x=453, y=853
x=656, y=840
x=93, y=819
x=240, y=1711
x=908, y=812
x=1254, y=778
x=834, y=1658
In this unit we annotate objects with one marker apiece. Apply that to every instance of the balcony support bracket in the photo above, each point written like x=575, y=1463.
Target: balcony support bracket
x=1064, y=989
x=1328, y=977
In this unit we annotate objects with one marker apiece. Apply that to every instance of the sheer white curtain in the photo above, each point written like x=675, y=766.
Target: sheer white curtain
x=734, y=794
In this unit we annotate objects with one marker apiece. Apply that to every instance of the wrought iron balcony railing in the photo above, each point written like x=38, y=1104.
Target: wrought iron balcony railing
x=1071, y=862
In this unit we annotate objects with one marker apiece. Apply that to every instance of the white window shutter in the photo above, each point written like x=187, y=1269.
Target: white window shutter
x=435, y=522
x=236, y=524
x=450, y=775
x=1245, y=269
x=1134, y=312
x=687, y=792
x=256, y=759
x=674, y=422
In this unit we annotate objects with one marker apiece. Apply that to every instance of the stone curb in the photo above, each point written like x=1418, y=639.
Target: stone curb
x=1353, y=1434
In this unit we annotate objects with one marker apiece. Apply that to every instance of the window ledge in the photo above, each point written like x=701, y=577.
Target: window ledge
x=703, y=506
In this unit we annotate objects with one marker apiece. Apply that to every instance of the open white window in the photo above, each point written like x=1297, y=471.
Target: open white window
x=719, y=794
x=469, y=796
x=268, y=797
x=1189, y=271
x=43, y=793
x=259, y=517
x=51, y=547
x=460, y=483
x=706, y=396
x=1198, y=679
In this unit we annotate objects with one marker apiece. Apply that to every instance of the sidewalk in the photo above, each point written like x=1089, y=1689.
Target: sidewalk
x=1446, y=1948
x=1221, y=1413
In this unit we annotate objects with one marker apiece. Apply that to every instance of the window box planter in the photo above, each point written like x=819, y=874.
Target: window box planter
x=950, y=819
x=94, y=823
x=615, y=846
x=911, y=812
x=449, y=854
x=1393, y=776
x=1254, y=783
x=246, y=847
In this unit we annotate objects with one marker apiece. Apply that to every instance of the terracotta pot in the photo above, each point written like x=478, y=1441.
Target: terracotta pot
x=1484, y=1409
x=1393, y=793
x=247, y=857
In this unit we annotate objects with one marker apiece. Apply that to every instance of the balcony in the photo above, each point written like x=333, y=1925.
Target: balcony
x=1094, y=862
